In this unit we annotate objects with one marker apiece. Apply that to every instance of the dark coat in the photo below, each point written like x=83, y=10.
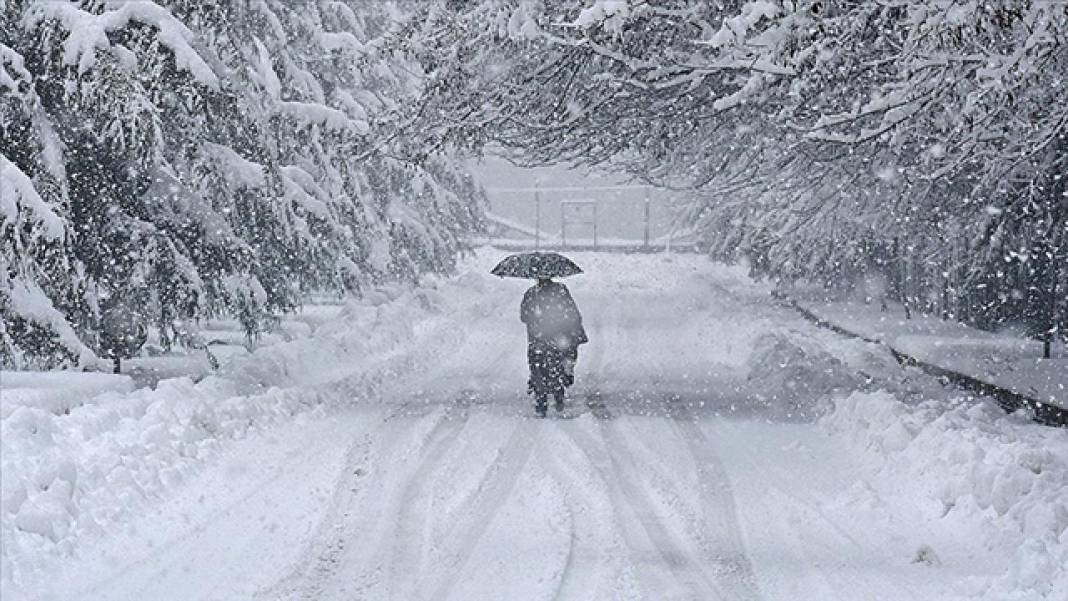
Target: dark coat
x=552, y=317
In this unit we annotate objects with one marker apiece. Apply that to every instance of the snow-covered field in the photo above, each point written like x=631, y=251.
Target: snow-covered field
x=715, y=446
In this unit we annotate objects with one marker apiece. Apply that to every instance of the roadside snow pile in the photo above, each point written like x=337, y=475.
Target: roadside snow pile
x=387, y=317
x=992, y=474
x=793, y=377
x=65, y=476
x=56, y=392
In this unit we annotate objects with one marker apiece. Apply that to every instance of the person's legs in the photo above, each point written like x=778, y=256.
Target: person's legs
x=556, y=376
x=540, y=404
x=538, y=384
x=569, y=360
x=536, y=362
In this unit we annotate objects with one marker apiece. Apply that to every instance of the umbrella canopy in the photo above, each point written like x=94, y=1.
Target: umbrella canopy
x=535, y=265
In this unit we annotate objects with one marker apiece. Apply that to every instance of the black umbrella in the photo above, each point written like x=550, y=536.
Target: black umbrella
x=535, y=265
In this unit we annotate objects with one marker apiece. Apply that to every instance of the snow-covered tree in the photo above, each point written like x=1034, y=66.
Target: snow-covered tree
x=40, y=279
x=209, y=157
x=822, y=139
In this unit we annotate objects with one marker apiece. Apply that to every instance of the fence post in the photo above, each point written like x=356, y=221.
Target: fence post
x=537, y=214
x=671, y=231
x=645, y=236
x=595, y=224
x=563, y=226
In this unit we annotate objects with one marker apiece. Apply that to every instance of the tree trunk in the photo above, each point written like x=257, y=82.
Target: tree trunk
x=1054, y=273
x=905, y=279
x=945, y=295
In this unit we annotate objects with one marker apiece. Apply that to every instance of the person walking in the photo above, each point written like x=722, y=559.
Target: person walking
x=554, y=324
x=554, y=333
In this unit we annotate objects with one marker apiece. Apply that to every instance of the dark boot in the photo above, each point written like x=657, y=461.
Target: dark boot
x=540, y=405
x=559, y=395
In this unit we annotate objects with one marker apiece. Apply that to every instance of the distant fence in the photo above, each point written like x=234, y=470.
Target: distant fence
x=629, y=248
x=1009, y=400
x=625, y=218
x=511, y=234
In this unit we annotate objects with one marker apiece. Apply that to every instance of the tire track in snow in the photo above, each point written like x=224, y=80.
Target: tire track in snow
x=595, y=537
x=813, y=549
x=358, y=511
x=665, y=569
x=407, y=543
x=329, y=540
x=685, y=559
x=412, y=550
x=406, y=504
x=496, y=486
x=714, y=526
x=724, y=545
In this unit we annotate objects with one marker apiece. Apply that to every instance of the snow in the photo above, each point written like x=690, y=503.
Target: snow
x=523, y=23
x=333, y=41
x=30, y=302
x=51, y=146
x=1002, y=359
x=11, y=59
x=354, y=107
x=733, y=31
x=56, y=392
x=307, y=113
x=115, y=451
x=88, y=33
x=265, y=72
x=1003, y=481
x=301, y=189
x=17, y=193
x=610, y=14
x=240, y=170
x=716, y=446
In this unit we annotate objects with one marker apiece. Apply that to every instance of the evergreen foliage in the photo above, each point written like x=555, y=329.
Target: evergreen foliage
x=185, y=159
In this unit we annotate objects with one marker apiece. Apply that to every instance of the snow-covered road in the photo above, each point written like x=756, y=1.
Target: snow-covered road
x=682, y=469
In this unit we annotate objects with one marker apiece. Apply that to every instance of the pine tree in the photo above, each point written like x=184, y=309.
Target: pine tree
x=209, y=158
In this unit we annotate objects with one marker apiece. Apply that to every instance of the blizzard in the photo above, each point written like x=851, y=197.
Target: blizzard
x=716, y=446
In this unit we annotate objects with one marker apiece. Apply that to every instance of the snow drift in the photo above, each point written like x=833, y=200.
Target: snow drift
x=977, y=470
x=83, y=469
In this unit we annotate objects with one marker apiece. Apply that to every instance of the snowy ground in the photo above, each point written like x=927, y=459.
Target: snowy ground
x=1007, y=360
x=716, y=447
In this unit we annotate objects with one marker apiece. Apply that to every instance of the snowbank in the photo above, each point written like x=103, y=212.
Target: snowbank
x=55, y=392
x=86, y=471
x=792, y=377
x=979, y=471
